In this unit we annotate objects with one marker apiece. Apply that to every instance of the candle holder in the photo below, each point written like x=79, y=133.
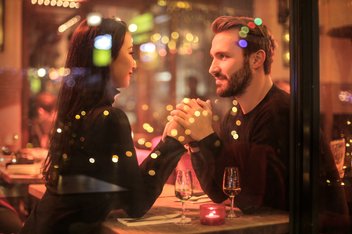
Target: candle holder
x=212, y=214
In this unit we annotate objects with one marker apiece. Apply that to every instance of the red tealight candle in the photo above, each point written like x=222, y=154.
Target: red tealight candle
x=212, y=214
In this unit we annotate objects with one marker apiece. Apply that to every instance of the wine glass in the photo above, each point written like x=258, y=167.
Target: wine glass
x=231, y=187
x=183, y=190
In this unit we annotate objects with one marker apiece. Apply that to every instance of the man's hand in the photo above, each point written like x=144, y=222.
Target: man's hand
x=195, y=116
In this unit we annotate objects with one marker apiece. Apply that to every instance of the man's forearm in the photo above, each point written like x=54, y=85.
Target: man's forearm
x=203, y=156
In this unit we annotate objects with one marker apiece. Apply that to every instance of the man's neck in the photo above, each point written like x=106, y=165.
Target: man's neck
x=255, y=93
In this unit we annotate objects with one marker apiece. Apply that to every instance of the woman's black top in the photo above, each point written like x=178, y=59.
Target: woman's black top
x=103, y=148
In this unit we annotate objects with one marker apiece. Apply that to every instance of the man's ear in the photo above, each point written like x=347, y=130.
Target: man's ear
x=257, y=59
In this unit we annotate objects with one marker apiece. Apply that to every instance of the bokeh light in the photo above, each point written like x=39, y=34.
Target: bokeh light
x=258, y=21
x=242, y=43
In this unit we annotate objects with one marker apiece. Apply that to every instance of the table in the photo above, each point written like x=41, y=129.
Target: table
x=14, y=186
x=36, y=190
x=273, y=222
x=20, y=173
x=11, y=178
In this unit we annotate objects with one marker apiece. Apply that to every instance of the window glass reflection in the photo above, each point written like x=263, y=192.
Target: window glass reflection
x=171, y=44
x=335, y=109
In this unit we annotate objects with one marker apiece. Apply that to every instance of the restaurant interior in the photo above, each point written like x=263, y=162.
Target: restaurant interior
x=172, y=40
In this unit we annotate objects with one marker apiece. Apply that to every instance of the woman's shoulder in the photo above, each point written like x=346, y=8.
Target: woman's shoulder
x=107, y=115
x=108, y=111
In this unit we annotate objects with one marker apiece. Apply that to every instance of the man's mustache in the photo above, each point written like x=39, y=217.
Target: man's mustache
x=217, y=75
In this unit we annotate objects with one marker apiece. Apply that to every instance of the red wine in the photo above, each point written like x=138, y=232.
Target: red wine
x=232, y=191
x=183, y=194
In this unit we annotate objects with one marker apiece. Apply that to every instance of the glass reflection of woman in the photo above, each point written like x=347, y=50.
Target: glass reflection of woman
x=93, y=138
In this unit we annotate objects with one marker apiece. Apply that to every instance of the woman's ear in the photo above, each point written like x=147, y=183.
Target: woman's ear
x=257, y=59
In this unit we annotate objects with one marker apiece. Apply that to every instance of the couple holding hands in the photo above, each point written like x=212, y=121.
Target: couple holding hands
x=92, y=138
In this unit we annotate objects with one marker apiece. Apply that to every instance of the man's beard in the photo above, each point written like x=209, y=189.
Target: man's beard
x=239, y=81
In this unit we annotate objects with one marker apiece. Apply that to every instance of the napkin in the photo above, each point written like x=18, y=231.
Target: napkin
x=197, y=199
x=151, y=220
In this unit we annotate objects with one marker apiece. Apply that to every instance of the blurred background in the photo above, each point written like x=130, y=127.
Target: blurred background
x=172, y=42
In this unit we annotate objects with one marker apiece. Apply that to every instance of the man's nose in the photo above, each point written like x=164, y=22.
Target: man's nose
x=214, y=68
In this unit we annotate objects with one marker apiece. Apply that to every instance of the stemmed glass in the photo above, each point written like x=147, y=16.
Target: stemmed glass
x=231, y=187
x=183, y=190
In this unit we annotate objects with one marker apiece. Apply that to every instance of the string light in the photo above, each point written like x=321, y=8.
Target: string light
x=63, y=27
x=58, y=3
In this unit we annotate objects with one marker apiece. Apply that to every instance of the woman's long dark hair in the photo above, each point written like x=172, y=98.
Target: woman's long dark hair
x=85, y=88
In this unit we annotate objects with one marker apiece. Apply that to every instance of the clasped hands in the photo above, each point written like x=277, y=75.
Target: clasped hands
x=190, y=121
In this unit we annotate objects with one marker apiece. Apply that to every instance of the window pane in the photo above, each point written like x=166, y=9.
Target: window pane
x=171, y=44
x=335, y=23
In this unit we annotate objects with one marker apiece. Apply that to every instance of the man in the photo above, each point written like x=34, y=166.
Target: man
x=254, y=135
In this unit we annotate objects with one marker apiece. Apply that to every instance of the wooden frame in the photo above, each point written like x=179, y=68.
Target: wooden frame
x=2, y=24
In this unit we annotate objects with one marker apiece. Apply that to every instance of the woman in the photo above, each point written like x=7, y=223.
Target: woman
x=92, y=138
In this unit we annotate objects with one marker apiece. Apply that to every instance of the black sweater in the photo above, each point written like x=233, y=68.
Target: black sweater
x=257, y=143
x=103, y=148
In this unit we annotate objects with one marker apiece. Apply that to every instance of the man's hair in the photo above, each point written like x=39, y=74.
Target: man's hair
x=258, y=36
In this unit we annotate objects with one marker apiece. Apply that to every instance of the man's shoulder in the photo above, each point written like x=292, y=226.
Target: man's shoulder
x=274, y=107
x=277, y=99
x=276, y=92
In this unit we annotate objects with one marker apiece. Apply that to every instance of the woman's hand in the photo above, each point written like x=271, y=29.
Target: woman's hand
x=175, y=130
x=195, y=116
